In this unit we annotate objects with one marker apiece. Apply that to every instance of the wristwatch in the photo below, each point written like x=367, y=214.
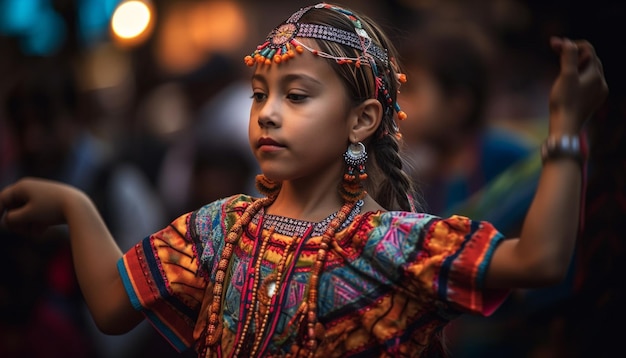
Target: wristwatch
x=566, y=146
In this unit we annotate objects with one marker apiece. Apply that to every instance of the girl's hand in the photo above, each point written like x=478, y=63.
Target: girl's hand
x=32, y=205
x=579, y=90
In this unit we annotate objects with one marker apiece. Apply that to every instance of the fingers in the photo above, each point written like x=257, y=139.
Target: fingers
x=555, y=43
x=16, y=204
x=593, y=61
x=591, y=68
x=569, y=56
x=581, y=83
x=4, y=193
x=13, y=217
x=3, y=218
x=6, y=202
x=18, y=213
x=586, y=53
x=9, y=200
x=11, y=197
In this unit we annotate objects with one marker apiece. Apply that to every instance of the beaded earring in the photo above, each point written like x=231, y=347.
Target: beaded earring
x=266, y=186
x=351, y=187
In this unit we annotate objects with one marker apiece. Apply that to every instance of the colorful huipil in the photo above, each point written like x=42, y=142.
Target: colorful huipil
x=390, y=283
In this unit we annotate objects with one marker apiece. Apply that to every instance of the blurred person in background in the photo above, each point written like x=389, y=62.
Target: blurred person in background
x=52, y=139
x=548, y=321
x=222, y=162
x=209, y=157
x=467, y=162
x=453, y=149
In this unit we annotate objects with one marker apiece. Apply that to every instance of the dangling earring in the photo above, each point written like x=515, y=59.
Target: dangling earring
x=351, y=187
x=266, y=187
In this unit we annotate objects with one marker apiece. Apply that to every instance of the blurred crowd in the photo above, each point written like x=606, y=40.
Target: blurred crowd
x=154, y=129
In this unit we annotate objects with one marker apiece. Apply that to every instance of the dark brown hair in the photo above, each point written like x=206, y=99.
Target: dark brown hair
x=388, y=183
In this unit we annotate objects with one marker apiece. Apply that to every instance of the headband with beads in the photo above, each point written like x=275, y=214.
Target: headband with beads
x=281, y=45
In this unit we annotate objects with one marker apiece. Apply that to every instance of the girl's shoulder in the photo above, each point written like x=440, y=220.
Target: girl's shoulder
x=395, y=218
x=231, y=204
x=382, y=223
x=373, y=226
x=218, y=215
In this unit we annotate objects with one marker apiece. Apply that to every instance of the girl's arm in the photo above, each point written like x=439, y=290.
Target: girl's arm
x=31, y=205
x=542, y=254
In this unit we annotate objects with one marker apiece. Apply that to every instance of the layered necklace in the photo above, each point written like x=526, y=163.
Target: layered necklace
x=262, y=299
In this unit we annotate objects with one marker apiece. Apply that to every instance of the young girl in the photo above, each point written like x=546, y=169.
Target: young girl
x=332, y=261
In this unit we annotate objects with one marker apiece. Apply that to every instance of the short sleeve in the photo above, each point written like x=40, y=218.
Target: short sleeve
x=439, y=259
x=462, y=250
x=161, y=277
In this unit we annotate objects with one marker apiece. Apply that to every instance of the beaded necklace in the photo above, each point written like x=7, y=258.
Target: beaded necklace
x=263, y=301
x=214, y=327
x=311, y=300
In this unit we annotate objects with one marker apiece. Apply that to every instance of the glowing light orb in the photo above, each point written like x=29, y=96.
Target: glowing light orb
x=131, y=19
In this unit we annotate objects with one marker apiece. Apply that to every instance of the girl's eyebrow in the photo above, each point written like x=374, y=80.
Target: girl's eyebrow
x=292, y=77
x=288, y=78
x=258, y=77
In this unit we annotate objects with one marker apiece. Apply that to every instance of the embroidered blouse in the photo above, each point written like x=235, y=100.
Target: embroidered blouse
x=392, y=282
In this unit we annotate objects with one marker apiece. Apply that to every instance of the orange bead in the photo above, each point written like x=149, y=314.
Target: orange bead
x=402, y=78
x=401, y=115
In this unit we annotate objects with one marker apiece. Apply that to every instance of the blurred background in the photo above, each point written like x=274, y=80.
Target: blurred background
x=144, y=105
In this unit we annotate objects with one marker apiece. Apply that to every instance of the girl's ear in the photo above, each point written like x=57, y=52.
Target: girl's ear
x=365, y=119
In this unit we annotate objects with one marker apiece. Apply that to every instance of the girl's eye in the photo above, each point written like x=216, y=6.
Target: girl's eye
x=258, y=96
x=296, y=97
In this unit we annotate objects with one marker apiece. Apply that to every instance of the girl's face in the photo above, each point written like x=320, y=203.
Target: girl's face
x=298, y=121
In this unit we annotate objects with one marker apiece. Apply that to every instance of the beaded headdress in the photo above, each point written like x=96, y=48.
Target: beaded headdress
x=282, y=44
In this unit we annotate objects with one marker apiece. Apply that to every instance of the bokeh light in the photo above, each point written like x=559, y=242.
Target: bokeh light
x=131, y=22
x=40, y=29
x=191, y=32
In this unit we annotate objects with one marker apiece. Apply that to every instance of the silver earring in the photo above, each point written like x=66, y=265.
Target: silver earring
x=355, y=158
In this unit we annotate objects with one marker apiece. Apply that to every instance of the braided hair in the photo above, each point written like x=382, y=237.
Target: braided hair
x=389, y=184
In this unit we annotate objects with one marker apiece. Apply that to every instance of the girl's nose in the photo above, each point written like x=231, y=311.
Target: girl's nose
x=269, y=115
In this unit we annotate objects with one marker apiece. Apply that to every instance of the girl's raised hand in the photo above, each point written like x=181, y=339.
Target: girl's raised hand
x=31, y=205
x=579, y=90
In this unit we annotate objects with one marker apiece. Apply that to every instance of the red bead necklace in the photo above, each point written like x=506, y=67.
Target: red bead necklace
x=266, y=300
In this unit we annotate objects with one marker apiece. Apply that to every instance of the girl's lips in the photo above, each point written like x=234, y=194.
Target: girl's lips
x=268, y=144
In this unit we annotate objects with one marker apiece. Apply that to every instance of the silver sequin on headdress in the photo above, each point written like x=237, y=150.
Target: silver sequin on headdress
x=281, y=42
